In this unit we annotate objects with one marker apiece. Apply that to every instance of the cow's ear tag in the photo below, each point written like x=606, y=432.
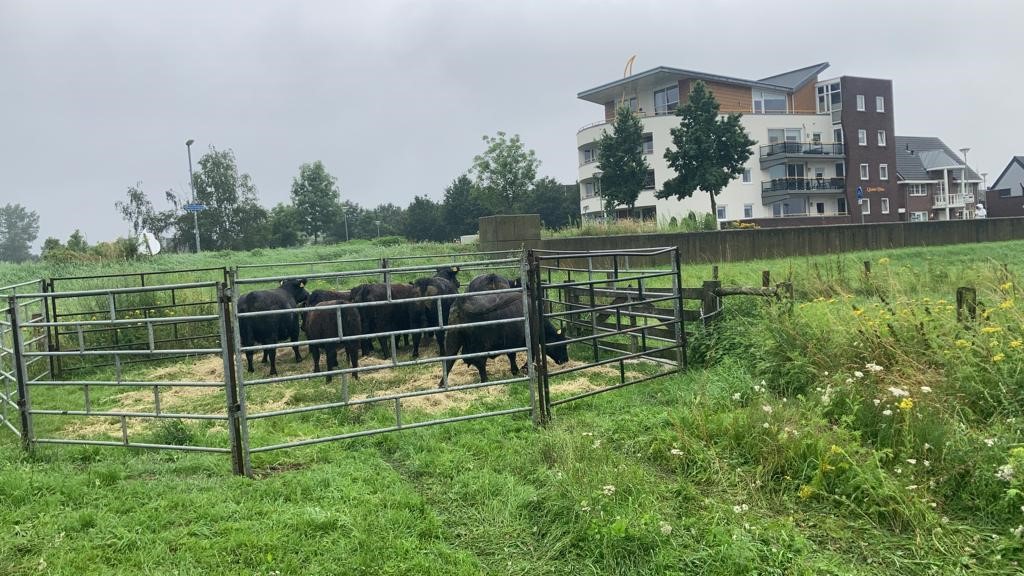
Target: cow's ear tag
x=302, y=284
x=559, y=331
x=455, y=268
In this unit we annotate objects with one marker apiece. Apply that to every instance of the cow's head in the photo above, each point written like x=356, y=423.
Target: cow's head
x=449, y=273
x=296, y=287
x=556, y=348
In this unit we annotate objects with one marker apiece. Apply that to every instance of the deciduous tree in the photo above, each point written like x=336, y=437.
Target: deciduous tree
x=710, y=150
x=18, y=230
x=315, y=196
x=504, y=173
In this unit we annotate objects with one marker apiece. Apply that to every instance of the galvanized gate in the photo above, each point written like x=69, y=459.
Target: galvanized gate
x=71, y=367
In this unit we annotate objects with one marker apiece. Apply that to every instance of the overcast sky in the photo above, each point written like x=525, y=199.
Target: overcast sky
x=393, y=97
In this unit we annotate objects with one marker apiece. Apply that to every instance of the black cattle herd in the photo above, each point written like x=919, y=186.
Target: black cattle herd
x=319, y=323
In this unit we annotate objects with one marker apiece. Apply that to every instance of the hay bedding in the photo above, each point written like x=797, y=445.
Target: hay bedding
x=381, y=382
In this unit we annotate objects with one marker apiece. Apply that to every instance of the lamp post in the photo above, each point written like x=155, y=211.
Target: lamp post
x=344, y=214
x=192, y=186
x=377, y=222
x=963, y=181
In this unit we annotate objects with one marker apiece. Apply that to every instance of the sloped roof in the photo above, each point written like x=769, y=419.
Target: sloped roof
x=1014, y=160
x=787, y=81
x=795, y=78
x=916, y=155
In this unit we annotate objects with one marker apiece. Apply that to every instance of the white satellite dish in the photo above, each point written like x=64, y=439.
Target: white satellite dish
x=148, y=244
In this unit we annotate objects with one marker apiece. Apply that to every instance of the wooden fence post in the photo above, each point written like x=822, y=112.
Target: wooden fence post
x=710, y=301
x=966, y=304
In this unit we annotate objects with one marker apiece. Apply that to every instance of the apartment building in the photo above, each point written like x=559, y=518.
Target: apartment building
x=934, y=182
x=819, y=144
x=1006, y=196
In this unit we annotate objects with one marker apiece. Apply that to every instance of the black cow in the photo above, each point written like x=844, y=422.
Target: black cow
x=388, y=317
x=449, y=273
x=273, y=328
x=320, y=323
x=476, y=339
x=485, y=282
x=321, y=295
x=435, y=286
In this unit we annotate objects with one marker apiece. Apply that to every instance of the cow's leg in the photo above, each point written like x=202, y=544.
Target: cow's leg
x=416, y=338
x=353, y=357
x=385, y=346
x=481, y=367
x=272, y=353
x=265, y=358
x=447, y=370
x=248, y=359
x=295, y=338
x=440, y=342
x=314, y=352
x=332, y=358
x=512, y=363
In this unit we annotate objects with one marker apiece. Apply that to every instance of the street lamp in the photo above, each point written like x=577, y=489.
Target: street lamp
x=191, y=183
x=344, y=214
x=963, y=179
x=377, y=222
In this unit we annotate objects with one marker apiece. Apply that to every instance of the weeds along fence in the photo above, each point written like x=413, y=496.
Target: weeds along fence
x=90, y=365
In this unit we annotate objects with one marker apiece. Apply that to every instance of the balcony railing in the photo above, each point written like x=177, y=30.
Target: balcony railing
x=948, y=201
x=803, y=184
x=809, y=148
x=590, y=160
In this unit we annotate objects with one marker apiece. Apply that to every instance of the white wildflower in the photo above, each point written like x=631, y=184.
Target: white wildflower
x=1005, y=472
x=849, y=380
x=767, y=408
x=873, y=367
x=588, y=434
x=740, y=508
x=898, y=392
x=913, y=487
x=911, y=461
x=596, y=444
x=858, y=374
x=608, y=490
x=898, y=470
x=675, y=452
x=927, y=446
x=765, y=425
x=926, y=463
x=584, y=506
x=926, y=389
x=1015, y=531
x=990, y=442
x=665, y=527
x=886, y=412
x=736, y=396
x=877, y=401
x=826, y=373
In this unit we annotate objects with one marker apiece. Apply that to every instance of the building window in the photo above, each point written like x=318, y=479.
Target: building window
x=779, y=135
x=649, y=180
x=864, y=174
x=747, y=177
x=879, y=104
x=917, y=189
x=865, y=206
x=648, y=146
x=860, y=102
x=633, y=104
x=829, y=98
x=720, y=209
x=589, y=155
x=881, y=137
x=769, y=102
x=862, y=137
x=940, y=187
x=776, y=209
x=840, y=170
x=885, y=205
x=591, y=189
x=837, y=135
x=816, y=137
x=819, y=173
x=918, y=216
x=666, y=100
x=748, y=210
x=841, y=205
x=883, y=171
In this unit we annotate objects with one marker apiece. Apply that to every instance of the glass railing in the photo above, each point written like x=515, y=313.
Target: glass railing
x=810, y=148
x=803, y=184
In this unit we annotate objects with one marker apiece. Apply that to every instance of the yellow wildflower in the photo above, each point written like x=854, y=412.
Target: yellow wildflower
x=806, y=492
x=991, y=329
x=1006, y=304
x=941, y=302
x=858, y=312
x=906, y=404
x=961, y=343
x=999, y=357
x=1016, y=343
x=883, y=261
x=835, y=449
x=1007, y=286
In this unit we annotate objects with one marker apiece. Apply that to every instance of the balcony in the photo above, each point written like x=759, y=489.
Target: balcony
x=948, y=201
x=785, y=188
x=778, y=153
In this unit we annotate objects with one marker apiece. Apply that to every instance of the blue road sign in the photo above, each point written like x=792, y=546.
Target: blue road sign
x=860, y=192
x=194, y=207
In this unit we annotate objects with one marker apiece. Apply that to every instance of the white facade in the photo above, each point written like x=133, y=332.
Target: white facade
x=740, y=199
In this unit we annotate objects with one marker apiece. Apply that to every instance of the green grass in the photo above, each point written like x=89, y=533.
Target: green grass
x=768, y=457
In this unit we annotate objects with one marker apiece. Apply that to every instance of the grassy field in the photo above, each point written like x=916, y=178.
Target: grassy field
x=860, y=431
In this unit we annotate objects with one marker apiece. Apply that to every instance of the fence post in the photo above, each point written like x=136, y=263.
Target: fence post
x=966, y=304
x=20, y=374
x=55, y=340
x=234, y=387
x=677, y=303
x=534, y=312
x=709, y=305
x=766, y=279
x=49, y=329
